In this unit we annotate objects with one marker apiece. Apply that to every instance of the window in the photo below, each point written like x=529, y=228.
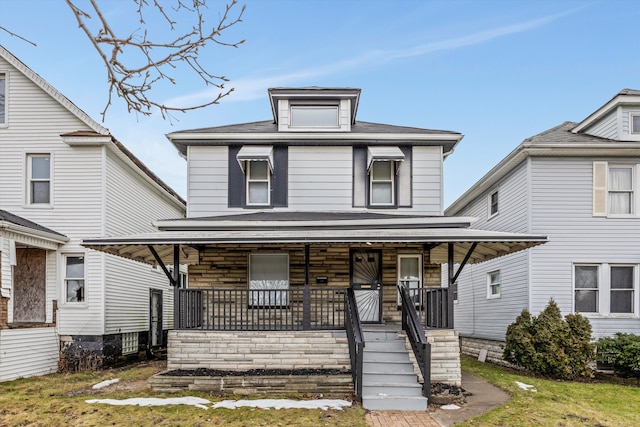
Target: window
x=621, y=289
x=74, y=278
x=455, y=291
x=606, y=289
x=586, y=288
x=635, y=123
x=382, y=183
x=493, y=203
x=39, y=173
x=410, y=276
x=258, y=183
x=269, y=278
x=258, y=176
x=314, y=116
x=493, y=284
x=620, y=189
x=129, y=342
x=3, y=99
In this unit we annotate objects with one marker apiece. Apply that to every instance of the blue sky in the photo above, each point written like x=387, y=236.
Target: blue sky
x=496, y=71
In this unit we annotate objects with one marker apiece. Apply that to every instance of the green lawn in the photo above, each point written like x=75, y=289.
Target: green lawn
x=556, y=403
x=59, y=400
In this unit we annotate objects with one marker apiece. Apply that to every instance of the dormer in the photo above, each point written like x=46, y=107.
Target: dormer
x=314, y=109
x=618, y=119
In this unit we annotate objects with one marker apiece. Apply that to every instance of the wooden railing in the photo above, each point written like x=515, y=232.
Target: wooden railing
x=292, y=309
x=356, y=341
x=415, y=332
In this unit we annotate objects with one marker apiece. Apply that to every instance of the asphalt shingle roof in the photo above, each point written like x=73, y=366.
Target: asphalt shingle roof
x=17, y=220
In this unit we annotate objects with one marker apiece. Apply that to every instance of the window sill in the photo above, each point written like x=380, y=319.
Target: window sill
x=74, y=305
x=610, y=316
x=494, y=297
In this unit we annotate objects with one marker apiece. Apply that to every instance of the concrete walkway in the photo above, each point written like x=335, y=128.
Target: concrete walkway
x=484, y=398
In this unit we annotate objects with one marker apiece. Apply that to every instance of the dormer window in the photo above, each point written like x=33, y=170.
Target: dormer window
x=635, y=123
x=314, y=116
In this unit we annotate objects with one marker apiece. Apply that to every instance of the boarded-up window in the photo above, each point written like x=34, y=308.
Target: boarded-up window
x=29, y=286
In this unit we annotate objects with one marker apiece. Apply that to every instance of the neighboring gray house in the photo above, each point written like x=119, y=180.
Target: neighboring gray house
x=287, y=218
x=64, y=178
x=579, y=184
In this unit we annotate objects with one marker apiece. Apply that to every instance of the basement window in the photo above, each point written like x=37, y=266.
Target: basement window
x=129, y=342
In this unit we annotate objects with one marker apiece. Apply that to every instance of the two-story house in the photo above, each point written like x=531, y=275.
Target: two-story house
x=578, y=183
x=64, y=178
x=287, y=218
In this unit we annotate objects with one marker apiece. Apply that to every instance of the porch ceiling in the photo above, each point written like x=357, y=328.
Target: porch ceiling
x=490, y=244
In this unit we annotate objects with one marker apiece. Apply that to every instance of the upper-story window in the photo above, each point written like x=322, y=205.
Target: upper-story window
x=314, y=116
x=258, y=176
x=635, y=123
x=39, y=179
x=493, y=203
x=258, y=183
x=383, y=167
x=3, y=99
x=613, y=189
x=620, y=189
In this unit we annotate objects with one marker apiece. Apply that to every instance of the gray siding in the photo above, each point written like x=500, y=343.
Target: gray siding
x=564, y=212
x=207, y=172
x=607, y=127
x=475, y=314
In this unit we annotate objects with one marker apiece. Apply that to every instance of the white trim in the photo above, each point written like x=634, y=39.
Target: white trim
x=63, y=272
x=29, y=179
x=420, y=278
x=490, y=294
x=604, y=291
x=5, y=74
x=249, y=180
x=304, y=106
x=490, y=203
x=632, y=115
x=391, y=180
x=314, y=136
x=633, y=191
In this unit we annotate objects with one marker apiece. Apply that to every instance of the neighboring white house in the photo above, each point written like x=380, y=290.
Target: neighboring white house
x=64, y=178
x=286, y=216
x=579, y=183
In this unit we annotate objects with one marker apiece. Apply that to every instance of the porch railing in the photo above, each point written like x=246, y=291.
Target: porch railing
x=415, y=332
x=431, y=306
x=290, y=309
x=356, y=342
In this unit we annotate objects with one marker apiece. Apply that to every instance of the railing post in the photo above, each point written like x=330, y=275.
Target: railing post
x=176, y=287
x=450, y=281
x=306, y=297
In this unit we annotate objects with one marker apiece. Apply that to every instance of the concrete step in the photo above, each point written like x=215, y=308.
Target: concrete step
x=380, y=336
x=372, y=377
x=385, y=356
x=379, y=345
x=392, y=389
x=389, y=403
x=387, y=367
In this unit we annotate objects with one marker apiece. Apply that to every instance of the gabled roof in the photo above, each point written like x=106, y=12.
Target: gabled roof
x=557, y=141
x=625, y=96
x=97, y=130
x=266, y=132
x=21, y=225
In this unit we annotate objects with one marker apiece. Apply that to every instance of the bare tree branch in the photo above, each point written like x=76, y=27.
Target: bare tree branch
x=12, y=34
x=135, y=62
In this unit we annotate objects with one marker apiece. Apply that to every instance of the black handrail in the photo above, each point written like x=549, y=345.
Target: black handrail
x=356, y=341
x=417, y=337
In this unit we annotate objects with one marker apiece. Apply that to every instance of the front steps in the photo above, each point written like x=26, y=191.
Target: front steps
x=388, y=379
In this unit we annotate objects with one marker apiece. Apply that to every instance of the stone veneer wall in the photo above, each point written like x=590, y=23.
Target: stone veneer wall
x=225, y=266
x=445, y=356
x=472, y=347
x=241, y=351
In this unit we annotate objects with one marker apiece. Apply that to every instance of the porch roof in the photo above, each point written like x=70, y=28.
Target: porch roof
x=17, y=224
x=489, y=244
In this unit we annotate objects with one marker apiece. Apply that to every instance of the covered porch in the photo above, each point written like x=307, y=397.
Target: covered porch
x=281, y=291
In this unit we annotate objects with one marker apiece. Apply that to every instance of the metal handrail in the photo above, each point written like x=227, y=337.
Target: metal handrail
x=356, y=341
x=417, y=337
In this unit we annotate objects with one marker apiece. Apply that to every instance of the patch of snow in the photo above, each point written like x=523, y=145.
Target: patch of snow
x=526, y=387
x=323, y=404
x=451, y=407
x=155, y=401
x=105, y=383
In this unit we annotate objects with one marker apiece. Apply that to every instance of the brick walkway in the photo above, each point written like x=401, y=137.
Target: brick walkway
x=400, y=419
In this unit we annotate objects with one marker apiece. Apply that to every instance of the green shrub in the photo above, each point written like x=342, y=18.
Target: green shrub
x=550, y=345
x=623, y=351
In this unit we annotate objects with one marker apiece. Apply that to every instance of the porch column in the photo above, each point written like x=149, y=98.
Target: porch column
x=176, y=287
x=306, y=298
x=450, y=281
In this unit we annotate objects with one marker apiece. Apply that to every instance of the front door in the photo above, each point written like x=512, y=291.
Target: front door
x=366, y=281
x=155, y=317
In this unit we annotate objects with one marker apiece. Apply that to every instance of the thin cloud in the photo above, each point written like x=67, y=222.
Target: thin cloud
x=253, y=88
